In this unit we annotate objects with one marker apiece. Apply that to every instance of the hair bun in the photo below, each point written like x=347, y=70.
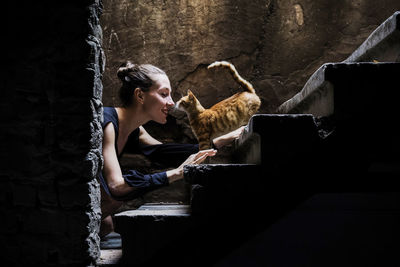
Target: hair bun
x=124, y=70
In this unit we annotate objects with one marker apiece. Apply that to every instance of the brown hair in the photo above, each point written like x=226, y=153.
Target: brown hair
x=135, y=76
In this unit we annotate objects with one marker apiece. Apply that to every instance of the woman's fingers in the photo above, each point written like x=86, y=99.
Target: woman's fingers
x=202, y=155
x=200, y=159
x=209, y=152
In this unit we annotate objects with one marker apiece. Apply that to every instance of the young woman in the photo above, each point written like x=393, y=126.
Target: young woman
x=145, y=95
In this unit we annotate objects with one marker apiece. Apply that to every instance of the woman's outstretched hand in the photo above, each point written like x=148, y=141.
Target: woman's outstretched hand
x=200, y=156
x=193, y=159
x=228, y=138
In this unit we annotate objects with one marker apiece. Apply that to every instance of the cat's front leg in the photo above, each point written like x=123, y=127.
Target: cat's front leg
x=204, y=142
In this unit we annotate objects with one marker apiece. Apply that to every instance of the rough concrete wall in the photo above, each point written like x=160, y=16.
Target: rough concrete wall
x=275, y=44
x=51, y=133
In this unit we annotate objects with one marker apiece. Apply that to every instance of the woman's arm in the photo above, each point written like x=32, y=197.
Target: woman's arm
x=112, y=171
x=146, y=139
x=227, y=138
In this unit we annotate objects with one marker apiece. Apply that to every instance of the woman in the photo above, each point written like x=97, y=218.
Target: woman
x=145, y=95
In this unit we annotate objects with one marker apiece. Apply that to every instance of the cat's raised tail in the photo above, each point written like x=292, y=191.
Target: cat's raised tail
x=235, y=74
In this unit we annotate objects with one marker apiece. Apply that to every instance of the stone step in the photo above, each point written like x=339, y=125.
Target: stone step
x=347, y=89
x=271, y=140
x=382, y=45
x=360, y=102
x=289, y=157
x=241, y=192
x=318, y=95
x=170, y=235
x=151, y=230
x=109, y=257
x=355, y=106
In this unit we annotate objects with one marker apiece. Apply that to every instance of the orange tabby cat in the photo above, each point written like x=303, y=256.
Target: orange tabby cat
x=223, y=117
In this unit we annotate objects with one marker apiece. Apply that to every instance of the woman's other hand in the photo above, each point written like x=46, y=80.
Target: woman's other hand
x=228, y=138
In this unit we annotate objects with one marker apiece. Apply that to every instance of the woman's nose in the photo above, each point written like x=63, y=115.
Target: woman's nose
x=170, y=102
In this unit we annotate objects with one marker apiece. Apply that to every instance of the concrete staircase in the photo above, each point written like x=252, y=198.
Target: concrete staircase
x=307, y=186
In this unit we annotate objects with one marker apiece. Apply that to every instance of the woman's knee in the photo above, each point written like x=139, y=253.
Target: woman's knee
x=109, y=205
x=106, y=226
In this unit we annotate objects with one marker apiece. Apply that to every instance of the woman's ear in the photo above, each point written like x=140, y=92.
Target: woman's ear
x=139, y=95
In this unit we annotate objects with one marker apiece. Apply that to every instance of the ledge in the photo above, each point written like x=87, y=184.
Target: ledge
x=156, y=211
x=382, y=45
x=336, y=87
x=150, y=230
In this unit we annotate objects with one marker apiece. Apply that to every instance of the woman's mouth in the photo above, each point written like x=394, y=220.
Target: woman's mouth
x=165, y=112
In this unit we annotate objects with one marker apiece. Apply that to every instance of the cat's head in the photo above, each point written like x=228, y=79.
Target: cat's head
x=189, y=103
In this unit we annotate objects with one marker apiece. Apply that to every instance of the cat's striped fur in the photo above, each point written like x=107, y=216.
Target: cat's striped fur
x=223, y=117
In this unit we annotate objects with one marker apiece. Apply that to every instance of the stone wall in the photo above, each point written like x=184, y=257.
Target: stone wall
x=275, y=44
x=50, y=154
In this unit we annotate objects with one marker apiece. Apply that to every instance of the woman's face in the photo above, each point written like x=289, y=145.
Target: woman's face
x=157, y=101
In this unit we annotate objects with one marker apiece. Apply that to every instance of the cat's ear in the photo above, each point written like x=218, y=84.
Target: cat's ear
x=190, y=94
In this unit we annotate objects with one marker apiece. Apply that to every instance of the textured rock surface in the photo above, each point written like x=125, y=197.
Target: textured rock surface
x=51, y=134
x=275, y=44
